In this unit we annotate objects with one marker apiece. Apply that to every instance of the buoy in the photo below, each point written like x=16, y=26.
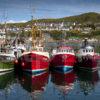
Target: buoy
x=23, y=64
x=16, y=61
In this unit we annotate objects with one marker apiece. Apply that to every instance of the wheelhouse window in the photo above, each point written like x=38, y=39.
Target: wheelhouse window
x=40, y=49
x=70, y=51
x=64, y=50
x=86, y=50
x=83, y=50
x=92, y=50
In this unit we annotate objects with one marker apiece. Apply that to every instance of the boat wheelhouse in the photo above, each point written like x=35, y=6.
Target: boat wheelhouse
x=86, y=51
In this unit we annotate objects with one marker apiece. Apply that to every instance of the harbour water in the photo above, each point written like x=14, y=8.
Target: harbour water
x=75, y=85
x=51, y=86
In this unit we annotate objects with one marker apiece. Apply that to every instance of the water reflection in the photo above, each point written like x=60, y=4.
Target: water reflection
x=35, y=85
x=60, y=86
x=87, y=80
x=6, y=79
x=63, y=82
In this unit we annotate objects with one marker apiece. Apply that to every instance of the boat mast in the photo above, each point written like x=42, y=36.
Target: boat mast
x=36, y=35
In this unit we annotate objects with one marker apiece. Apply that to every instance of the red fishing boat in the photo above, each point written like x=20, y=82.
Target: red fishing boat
x=35, y=60
x=63, y=82
x=86, y=57
x=34, y=84
x=63, y=59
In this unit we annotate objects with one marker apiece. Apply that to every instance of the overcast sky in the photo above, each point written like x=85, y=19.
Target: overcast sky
x=22, y=10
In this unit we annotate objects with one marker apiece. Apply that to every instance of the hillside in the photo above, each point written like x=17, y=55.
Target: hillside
x=86, y=17
x=83, y=18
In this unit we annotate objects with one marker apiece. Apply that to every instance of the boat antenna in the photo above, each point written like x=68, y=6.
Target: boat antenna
x=5, y=25
x=85, y=43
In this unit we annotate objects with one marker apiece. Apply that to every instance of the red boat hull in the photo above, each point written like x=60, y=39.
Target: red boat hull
x=88, y=63
x=34, y=63
x=62, y=62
